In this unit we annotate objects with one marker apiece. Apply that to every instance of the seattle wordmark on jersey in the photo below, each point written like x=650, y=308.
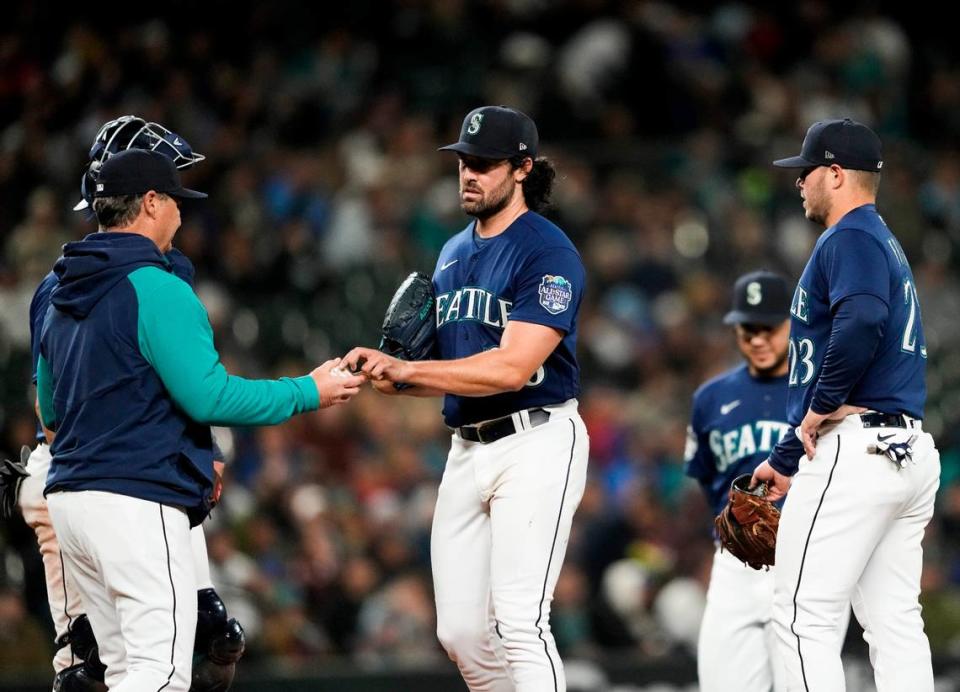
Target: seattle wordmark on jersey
x=737, y=420
x=472, y=303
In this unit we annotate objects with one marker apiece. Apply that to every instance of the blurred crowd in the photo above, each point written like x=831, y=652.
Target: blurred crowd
x=320, y=128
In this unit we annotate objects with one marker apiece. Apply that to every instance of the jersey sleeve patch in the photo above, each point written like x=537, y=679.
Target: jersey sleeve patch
x=556, y=293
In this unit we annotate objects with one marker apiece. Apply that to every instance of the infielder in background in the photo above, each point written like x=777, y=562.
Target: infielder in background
x=853, y=522
x=129, y=381
x=737, y=419
x=217, y=635
x=508, y=292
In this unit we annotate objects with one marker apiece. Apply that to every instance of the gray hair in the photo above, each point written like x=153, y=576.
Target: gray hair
x=117, y=212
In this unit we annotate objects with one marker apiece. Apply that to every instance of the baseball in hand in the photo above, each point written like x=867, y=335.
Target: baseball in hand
x=339, y=372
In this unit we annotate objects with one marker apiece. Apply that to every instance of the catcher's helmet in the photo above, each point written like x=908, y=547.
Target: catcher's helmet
x=131, y=132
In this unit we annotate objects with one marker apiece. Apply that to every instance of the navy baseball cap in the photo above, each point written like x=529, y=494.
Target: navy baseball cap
x=136, y=171
x=496, y=132
x=760, y=297
x=846, y=142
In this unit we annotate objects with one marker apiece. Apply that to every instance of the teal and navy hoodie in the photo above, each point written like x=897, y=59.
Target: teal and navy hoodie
x=179, y=264
x=130, y=381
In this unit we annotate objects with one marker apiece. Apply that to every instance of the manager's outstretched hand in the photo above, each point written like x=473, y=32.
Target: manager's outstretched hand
x=335, y=383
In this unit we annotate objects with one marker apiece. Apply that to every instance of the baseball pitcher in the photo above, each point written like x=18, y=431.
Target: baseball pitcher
x=507, y=293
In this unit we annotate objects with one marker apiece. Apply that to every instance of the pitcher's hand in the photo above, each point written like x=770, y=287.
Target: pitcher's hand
x=376, y=365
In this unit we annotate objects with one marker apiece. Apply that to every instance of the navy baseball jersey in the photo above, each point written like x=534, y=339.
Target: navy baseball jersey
x=859, y=256
x=529, y=273
x=737, y=420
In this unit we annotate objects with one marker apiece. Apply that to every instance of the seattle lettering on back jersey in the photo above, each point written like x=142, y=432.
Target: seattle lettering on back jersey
x=859, y=255
x=737, y=420
x=529, y=273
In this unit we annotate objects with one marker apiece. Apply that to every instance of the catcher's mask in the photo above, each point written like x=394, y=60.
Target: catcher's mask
x=132, y=132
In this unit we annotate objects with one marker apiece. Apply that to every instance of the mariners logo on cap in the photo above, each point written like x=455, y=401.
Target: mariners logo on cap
x=754, y=293
x=474, y=126
x=555, y=294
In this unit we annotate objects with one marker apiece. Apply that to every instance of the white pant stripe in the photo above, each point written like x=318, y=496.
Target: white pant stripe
x=553, y=546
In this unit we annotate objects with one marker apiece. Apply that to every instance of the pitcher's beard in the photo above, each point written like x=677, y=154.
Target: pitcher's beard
x=486, y=207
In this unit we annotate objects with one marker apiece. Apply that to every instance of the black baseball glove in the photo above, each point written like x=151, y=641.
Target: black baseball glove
x=12, y=474
x=747, y=526
x=409, y=330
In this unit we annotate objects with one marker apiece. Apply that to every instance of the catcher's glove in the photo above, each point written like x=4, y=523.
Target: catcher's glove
x=747, y=526
x=12, y=474
x=409, y=329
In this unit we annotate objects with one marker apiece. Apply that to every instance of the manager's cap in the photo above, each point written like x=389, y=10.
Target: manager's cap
x=136, y=171
x=846, y=142
x=760, y=297
x=496, y=132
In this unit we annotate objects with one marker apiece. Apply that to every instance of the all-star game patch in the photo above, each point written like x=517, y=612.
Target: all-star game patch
x=555, y=294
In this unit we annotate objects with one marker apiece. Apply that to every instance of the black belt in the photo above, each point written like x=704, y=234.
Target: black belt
x=499, y=428
x=873, y=419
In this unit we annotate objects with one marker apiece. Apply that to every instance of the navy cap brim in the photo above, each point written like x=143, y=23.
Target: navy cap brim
x=185, y=193
x=473, y=150
x=794, y=162
x=765, y=319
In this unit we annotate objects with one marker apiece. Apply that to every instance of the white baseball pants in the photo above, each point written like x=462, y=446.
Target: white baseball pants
x=851, y=531
x=500, y=532
x=736, y=647
x=133, y=562
x=62, y=595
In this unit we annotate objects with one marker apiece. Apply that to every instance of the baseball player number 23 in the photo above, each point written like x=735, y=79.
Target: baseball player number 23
x=800, y=354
